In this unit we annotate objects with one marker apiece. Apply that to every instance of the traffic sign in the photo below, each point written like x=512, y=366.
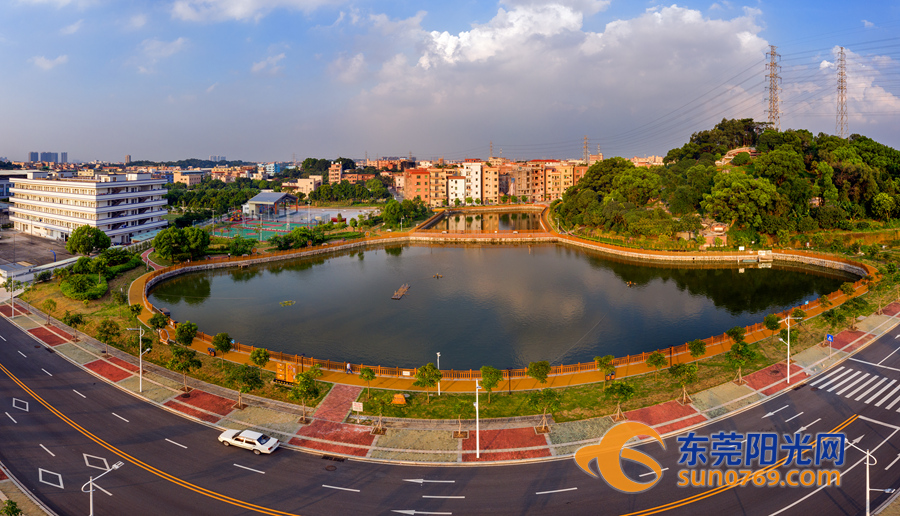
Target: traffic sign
x=829, y=337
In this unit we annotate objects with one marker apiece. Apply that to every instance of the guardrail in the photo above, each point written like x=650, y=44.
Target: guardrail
x=288, y=365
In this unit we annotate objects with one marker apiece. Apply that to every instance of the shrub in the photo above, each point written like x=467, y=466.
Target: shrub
x=116, y=256
x=741, y=159
x=82, y=266
x=43, y=276
x=863, y=224
x=83, y=287
x=134, y=261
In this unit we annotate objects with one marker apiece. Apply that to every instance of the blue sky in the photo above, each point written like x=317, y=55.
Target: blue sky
x=267, y=79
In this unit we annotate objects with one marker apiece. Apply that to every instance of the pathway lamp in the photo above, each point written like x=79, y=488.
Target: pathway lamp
x=90, y=483
x=873, y=462
x=788, y=321
x=477, y=424
x=439, y=368
x=141, y=353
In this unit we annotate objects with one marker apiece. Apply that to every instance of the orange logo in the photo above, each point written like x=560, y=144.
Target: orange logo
x=611, y=449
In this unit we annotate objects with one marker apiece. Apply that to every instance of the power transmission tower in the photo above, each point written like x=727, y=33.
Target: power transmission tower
x=587, y=154
x=841, y=123
x=774, y=109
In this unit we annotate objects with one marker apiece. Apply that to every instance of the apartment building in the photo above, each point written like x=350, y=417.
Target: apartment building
x=417, y=183
x=456, y=189
x=189, y=177
x=303, y=185
x=438, y=186
x=490, y=185
x=335, y=171
x=120, y=205
x=472, y=170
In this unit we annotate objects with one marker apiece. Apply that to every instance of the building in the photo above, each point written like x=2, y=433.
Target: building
x=266, y=204
x=335, y=173
x=120, y=205
x=50, y=157
x=34, y=157
x=5, y=180
x=472, y=169
x=63, y=157
x=456, y=189
x=189, y=177
x=303, y=185
x=217, y=159
x=490, y=185
x=128, y=159
x=647, y=161
x=417, y=183
x=269, y=168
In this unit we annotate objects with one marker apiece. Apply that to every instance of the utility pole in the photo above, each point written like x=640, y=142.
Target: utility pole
x=841, y=123
x=492, y=149
x=587, y=155
x=774, y=109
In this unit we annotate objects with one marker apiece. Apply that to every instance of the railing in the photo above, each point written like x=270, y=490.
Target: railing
x=288, y=364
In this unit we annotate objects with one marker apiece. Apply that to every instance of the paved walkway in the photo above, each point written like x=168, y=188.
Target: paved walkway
x=332, y=429
x=145, y=256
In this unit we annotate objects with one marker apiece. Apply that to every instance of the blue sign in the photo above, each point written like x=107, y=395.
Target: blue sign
x=829, y=337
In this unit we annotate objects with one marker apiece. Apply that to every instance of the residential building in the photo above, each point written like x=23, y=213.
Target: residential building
x=456, y=189
x=438, y=186
x=128, y=159
x=63, y=157
x=472, y=169
x=5, y=180
x=49, y=157
x=303, y=185
x=189, y=177
x=269, y=168
x=595, y=158
x=120, y=205
x=647, y=161
x=490, y=185
x=34, y=157
x=335, y=171
x=417, y=183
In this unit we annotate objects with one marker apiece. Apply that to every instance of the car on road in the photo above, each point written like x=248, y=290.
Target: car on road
x=259, y=443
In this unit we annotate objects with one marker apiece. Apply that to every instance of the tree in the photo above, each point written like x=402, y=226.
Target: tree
x=847, y=288
x=48, y=306
x=606, y=365
x=170, y=242
x=737, y=358
x=621, y=391
x=305, y=387
x=183, y=361
x=657, y=360
x=136, y=309
x=366, y=374
x=883, y=205
x=772, y=323
x=107, y=331
x=247, y=378
x=11, y=508
x=196, y=240
x=427, y=376
x=260, y=357
x=684, y=374
x=185, y=333
x=222, y=344
x=539, y=371
x=737, y=333
x=697, y=348
x=741, y=198
x=799, y=315
x=158, y=321
x=87, y=239
x=73, y=321
x=490, y=378
x=544, y=400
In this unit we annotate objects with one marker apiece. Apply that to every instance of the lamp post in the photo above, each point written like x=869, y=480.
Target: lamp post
x=90, y=483
x=788, y=320
x=439, y=368
x=141, y=353
x=477, y=424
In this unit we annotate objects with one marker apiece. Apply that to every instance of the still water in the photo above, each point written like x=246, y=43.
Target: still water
x=499, y=305
x=488, y=221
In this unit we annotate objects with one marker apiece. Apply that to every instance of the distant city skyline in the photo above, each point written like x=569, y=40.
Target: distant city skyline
x=269, y=80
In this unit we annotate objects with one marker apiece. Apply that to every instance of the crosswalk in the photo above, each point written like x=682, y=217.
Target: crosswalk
x=868, y=388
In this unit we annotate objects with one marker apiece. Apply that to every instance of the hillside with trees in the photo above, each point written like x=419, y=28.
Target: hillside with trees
x=797, y=183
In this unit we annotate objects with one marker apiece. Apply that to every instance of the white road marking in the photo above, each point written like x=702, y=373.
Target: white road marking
x=774, y=411
x=104, y=490
x=872, y=388
x=13, y=420
x=651, y=473
x=341, y=488
x=447, y=497
x=876, y=365
x=556, y=491
x=861, y=387
x=833, y=379
x=892, y=352
x=889, y=395
x=78, y=393
x=804, y=428
x=892, y=463
x=818, y=380
x=42, y=472
x=48, y=451
x=798, y=415
x=879, y=393
x=412, y=512
x=251, y=469
x=20, y=404
x=23, y=354
x=842, y=382
x=421, y=480
x=46, y=371
x=853, y=383
x=177, y=444
x=120, y=417
x=2, y=337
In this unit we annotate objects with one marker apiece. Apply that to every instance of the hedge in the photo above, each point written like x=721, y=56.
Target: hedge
x=115, y=270
x=94, y=292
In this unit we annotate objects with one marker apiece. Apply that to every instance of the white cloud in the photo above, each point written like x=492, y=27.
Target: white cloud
x=154, y=50
x=71, y=29
x=48, y=64
x=217, y=10
x=867, y=24
x=826, y=64
x=268, y=65
x=137, y=21
x=212, y=87
x=348, y=69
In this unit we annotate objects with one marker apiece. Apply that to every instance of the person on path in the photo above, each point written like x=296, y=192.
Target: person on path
x=349, y=369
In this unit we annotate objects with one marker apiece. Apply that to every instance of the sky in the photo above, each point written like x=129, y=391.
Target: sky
x=271, y=80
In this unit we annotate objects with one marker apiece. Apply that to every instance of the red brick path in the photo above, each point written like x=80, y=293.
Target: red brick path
x=892, y=309
x=844, y=340
x=337, y=403
x=6, y=310
x=210, y=418
x=50, y=338
x=107, y=370
x=208, y=402
x=658, y=414
x=123, y=364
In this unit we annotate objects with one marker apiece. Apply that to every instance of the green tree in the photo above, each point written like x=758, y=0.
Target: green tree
x=737, y=333
x=697, y=348
x=48, y=306
x=158, y=321
x=657, y=360
x=11, y=508
x=136, y=309
x=738, y=356
x=107, y=331
x=883, y=205
x=740, y=198
x=605, y=364
x=798, y=315
x=87, y=239
x=305, y=387
x=185, y=333
x=621, y=391
x=247, y=379
x=847, y=288
x=427, y=376
x=183, y=361
x=684, y=374
x=490, y=378
x=539, y=371
x=73, y=320
x=544, y=400
x=170, y=242
x=366, y=374
x=222, y=344
x=772, y=323
x=260, y=357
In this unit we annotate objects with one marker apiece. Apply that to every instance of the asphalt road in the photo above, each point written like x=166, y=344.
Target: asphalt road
x=60, y=426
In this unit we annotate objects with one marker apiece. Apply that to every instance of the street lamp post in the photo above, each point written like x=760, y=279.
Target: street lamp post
x=477, y=424
x=141, y=353
x=788, y=320
x=869, y=489
x=90, y=483
x=439, y=368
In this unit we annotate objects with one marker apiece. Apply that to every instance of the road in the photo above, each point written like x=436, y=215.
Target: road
x=60, y=425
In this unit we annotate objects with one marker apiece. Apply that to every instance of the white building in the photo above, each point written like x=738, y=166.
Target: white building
x=456, y=189
x=472, y=171
x=120, y=205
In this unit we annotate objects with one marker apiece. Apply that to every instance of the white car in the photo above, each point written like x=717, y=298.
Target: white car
x=259, y=443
